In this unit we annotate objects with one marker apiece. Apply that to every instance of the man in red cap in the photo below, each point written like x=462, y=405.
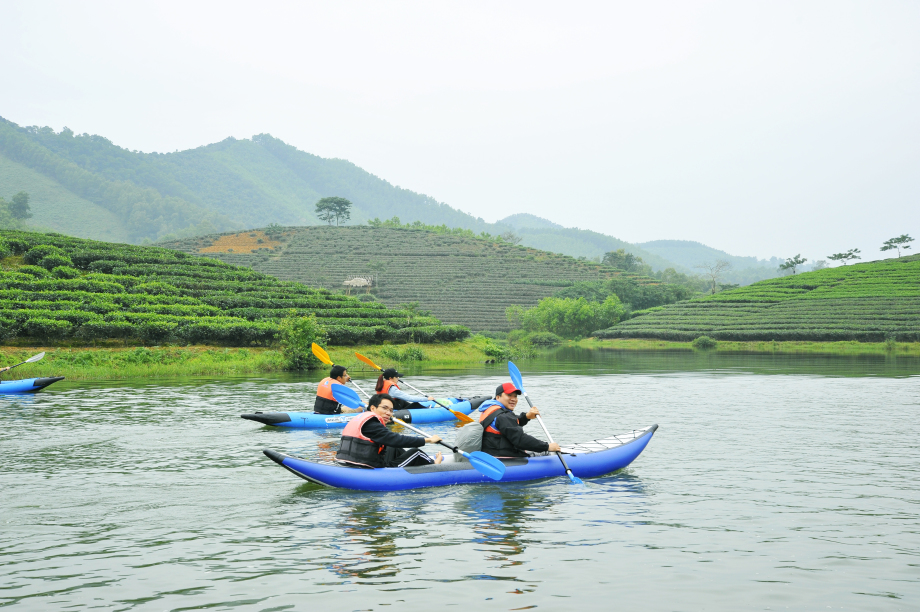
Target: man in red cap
x=504, y=431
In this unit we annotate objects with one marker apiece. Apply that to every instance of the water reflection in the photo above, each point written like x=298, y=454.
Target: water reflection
x=368, y=549
x=501, y=518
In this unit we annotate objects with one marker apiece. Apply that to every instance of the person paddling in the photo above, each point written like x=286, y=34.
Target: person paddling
x=387, y=383
x=366, y=441
x=504, y=431
x=325, y=403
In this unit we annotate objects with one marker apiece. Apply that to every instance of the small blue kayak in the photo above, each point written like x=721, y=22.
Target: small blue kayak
x=428, y=413
x=587, y=460
x=27, y=385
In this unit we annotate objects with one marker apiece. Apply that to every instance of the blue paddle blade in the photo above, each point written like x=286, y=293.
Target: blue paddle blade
x=516, y=377
x=346, y=396
x=486, y=464
x=575, y=479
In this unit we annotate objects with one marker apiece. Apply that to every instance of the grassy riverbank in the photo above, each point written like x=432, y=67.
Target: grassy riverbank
x=168, y=361
x=790, y=347
x=171, y=361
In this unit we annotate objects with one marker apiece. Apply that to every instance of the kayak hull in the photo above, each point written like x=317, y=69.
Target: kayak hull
x=27, y=385
x=311, y=420
x=587, y=460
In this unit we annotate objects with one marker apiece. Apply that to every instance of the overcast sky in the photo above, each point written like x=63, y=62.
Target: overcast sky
x=761, y=128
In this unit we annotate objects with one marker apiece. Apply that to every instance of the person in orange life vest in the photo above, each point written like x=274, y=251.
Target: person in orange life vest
x=325, y=403
x=386, y=383
x=366, y=441
x=504, y=431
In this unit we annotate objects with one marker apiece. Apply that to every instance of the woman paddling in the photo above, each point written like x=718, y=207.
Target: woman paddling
x=386, y=383
x=366, y=441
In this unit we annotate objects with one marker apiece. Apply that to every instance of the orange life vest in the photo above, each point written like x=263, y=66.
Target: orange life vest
x=324, y=390
x=353, y=427
x=484, y=416
x=358, y=449
x=387, y=384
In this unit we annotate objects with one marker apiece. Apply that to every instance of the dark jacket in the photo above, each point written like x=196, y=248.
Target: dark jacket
x=383, y=449
x=325, y=406
x=377, y=431
x=512, y=441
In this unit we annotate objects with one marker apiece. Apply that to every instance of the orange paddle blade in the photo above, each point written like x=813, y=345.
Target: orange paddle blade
x=367, y=361
x=462, y=417
x=321, y=354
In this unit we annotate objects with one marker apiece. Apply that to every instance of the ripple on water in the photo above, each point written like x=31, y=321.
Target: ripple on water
x=759, y=490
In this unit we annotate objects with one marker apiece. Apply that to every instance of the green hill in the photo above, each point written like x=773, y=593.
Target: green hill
x=867, y=302
x=54, y=288
x=232, y=184
x=461, y=280
x=689, y=254
x=543, y=234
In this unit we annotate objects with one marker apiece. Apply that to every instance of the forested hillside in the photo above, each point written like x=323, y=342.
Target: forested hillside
x=86, y=186
x=541, y=234
x=689, y=254
x=55, y=288
x=461, y=280
x=868, y=302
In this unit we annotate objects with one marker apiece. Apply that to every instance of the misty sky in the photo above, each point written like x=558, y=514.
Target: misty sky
x=761, y=128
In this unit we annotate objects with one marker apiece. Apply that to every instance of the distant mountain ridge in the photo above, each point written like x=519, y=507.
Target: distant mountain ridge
x=86, y=186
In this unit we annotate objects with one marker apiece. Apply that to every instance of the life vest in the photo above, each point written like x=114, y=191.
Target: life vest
x=398, y=404
x=486, y=411
x=325, y=402
x=358, y=449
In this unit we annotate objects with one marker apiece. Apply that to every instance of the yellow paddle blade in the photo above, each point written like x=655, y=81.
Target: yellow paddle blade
x=462, y=417
x=321, y=354
x=368, y=361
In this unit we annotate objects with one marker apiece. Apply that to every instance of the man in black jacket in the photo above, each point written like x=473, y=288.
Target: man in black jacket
x=366, y=441
x=504, y=431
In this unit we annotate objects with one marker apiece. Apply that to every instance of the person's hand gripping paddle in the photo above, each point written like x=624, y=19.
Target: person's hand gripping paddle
x=460, y=416
x=519, y=383
x=31, y=359
x=324, y=357
x=484, y=463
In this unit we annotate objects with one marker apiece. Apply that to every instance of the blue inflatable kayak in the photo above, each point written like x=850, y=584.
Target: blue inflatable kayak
x=594, y=458
x=27, y=385
x=429, y=413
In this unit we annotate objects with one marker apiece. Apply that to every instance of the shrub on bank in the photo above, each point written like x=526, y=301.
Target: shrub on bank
x=704, y=342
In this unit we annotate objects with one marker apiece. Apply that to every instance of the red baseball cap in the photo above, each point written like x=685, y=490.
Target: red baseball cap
x=508, y=388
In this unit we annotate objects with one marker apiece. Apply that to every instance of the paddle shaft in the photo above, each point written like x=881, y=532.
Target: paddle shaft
x=546, y=431
x=32, y=359
x=441, y=442
x=460, y=416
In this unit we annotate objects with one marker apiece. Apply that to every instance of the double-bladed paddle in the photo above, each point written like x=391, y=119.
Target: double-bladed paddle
x=460, y=416
x=31, y=359
x=484, y=463
x=324, y=357
x=518, y=381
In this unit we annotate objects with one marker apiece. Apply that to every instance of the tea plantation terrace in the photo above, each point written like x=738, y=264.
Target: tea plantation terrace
x=460, y=280
x=55, y=288
x=869, y=302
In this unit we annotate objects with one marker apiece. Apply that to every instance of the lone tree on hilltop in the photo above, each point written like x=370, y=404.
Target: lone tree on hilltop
x=333, y=209
x=897, y=243
x=845, y=257
x=714, y=272
x=792, y=263
x=19, y=206
x=622, y=260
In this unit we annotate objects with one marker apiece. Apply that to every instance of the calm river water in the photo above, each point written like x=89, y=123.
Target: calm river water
x=773, y=483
